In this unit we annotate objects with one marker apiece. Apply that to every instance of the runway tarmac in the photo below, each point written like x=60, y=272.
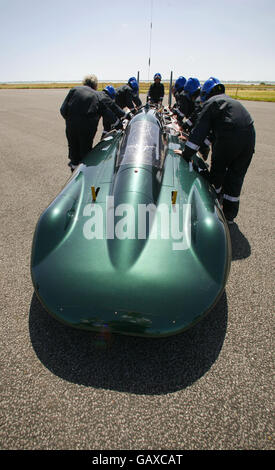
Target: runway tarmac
x=210, y=387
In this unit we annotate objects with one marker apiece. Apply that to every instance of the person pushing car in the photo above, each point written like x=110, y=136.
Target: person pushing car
x=233, y=143
x=82, y=109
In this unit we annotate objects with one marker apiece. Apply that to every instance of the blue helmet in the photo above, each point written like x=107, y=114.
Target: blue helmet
x=211, y=85
x=111, y=91
x=157, y=75
x=132, y=82
x=180, y=82
x=192, y=86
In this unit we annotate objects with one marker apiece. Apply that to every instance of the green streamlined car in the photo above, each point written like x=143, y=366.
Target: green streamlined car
x=136, y=242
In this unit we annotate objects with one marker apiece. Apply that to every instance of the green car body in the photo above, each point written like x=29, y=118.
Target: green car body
x=136, y=242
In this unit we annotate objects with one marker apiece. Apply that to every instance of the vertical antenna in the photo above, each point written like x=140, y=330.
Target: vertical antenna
x=170, y=90
x=138, y=82
x=150, y=41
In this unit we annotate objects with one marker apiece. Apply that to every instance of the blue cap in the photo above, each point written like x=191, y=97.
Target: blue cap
x=133, y=83
x=111, y=91
x=157, y=75
x=208, y=86
x=191, y=86
x=180, y=82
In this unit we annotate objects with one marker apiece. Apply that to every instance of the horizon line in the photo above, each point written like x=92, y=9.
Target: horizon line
x=123, y=80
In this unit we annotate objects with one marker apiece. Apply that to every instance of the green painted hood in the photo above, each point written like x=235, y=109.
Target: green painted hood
x=94, y=266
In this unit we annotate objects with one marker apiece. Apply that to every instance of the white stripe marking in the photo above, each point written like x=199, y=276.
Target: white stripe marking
x=231, y=198
x=192, y=146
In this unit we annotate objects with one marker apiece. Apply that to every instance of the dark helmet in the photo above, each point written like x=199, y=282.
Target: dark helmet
x=132, y=82
x=179, y=83
x=192, y=87
x=211, y=87
x=157, y=75
x=111, y=91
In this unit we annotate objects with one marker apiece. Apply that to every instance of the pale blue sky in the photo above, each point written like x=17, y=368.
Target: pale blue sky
x=67, y=39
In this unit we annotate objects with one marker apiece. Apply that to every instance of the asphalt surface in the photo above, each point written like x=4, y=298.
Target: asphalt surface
x=208, y=388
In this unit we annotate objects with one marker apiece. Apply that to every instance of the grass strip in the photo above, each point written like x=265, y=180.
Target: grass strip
x=261, y=92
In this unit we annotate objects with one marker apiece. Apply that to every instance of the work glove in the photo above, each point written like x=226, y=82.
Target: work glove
x=72, y=166
x=186, y=126
x=188, y=153
x=104, y=133
x=118, y=125
x=204, y=151
x=202, y=171
x=129, y=116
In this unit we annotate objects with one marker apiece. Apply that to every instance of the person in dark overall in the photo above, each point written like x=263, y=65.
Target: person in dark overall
x=82, y=110
x=127, y=96
x=156, y=91
x=188, y=99
x=233, y=145
x=189, y=107
x=114, y=113
x=178, y=90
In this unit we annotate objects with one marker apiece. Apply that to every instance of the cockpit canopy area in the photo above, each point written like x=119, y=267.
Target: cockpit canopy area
x=142, y=143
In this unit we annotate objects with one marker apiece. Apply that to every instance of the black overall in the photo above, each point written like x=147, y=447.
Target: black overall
x=232, y=149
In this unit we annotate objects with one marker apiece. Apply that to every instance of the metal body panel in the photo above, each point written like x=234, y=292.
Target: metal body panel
x=146, y=283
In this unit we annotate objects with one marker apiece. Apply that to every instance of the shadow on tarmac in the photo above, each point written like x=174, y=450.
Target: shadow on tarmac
x=133, y=364
x=126, y=363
